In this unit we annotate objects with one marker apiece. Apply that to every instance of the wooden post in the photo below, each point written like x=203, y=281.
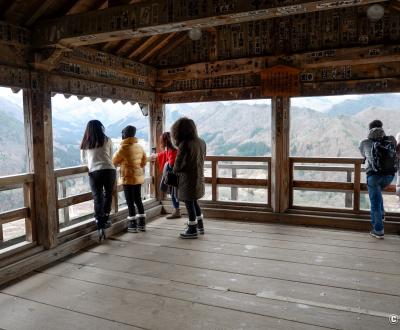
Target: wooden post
x=357, y=187
x=280, y=166
x=214, y=177
x=38, y=126
x=30, y=232
x=63, y=188
x=157, y=123
x=348, y=196
x=1, y=233
x=234, y=190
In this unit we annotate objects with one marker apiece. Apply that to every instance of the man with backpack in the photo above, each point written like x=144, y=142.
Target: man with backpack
x=379, y=152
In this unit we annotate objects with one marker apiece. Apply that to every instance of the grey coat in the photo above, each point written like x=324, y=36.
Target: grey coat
x=189, y=166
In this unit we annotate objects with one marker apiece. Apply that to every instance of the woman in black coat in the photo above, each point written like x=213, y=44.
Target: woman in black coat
x=189, y=166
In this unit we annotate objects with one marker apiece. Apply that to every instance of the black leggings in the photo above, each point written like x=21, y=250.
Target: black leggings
x=133, y=196
x=102, y=184
x=193, y=209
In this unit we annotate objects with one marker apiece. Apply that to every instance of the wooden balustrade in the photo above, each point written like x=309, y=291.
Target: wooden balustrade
x=234, y=182
x=352, y=188
x=64, y=201
x=24, y=181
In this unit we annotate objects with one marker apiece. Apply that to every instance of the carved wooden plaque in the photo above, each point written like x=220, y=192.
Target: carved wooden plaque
x=280, y=80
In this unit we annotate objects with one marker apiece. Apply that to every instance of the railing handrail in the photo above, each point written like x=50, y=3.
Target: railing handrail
x=327, y=160
x=262, y=159
x=15, y=180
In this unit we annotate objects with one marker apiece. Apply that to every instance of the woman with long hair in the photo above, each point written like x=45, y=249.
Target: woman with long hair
x=166, y=160
x=132, y=159
x=189, y=166
x=96, y=152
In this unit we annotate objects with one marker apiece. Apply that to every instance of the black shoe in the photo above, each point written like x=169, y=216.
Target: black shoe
x=101, y=231
x=200, y=226
x=107, y=221
x=132, y=225
x=190, y=232
x=142, y=222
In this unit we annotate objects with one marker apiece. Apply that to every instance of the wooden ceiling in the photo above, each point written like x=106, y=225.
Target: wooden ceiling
x=28, y=12
x=222, y=42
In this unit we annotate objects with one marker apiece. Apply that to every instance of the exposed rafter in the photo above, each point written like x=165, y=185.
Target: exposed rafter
x=127, y=47
x=157, y=47
x=39, y=11
x=148, y=43
x=180, y=38
x=146, y=19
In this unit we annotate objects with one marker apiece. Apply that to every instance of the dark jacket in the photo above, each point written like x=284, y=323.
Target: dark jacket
x=366, y=146
x=189, y=165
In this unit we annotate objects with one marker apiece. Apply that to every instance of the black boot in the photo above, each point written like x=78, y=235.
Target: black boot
x=191, y=230
x=132, y=224
x=107, y=221
x=101, y=230
x=200, y=225
x=142, y=222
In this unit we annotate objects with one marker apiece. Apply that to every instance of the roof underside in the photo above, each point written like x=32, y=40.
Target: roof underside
x=338, y=28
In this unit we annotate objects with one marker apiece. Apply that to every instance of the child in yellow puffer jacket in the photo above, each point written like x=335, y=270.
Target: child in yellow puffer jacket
x=132, y=160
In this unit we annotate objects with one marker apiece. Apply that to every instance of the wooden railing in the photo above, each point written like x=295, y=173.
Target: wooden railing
x=234, y=182
x=64, y=201
x=352, y=187
x=24, y=181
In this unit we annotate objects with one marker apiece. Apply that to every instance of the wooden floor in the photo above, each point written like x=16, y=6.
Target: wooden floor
x=238, y=276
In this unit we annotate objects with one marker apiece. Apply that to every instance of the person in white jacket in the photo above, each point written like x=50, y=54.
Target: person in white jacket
x=96, y=152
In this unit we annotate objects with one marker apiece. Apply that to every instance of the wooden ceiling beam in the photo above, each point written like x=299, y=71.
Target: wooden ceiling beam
x=310, y=60
x=39, y=11
x=158, y=47
x=127, y=47
x=181, y=37
x=151, y=18
x=150, y=41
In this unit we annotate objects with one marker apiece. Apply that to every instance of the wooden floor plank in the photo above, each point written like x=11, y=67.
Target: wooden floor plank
x=346, y=278
x=141, y=309
x=19, y=313
x=241, y=283
x=336, y=316
x=276, y=253
x=216, y=236
x=366, y=241
x=237, y=276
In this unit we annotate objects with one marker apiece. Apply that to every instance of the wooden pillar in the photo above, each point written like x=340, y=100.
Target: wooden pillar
x=157, y=123
x=280, y=166
x=38, y=125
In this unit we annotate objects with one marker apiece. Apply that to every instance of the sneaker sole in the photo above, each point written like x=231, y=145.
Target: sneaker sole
x=377, y=236
x=188, y=237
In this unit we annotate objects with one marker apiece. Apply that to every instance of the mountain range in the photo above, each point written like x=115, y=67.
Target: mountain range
x=229, y=128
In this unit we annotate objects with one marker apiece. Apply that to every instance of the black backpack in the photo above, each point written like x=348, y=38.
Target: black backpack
x=384, y=157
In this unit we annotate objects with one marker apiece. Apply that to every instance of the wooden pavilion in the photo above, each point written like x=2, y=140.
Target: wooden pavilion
x=260, y=273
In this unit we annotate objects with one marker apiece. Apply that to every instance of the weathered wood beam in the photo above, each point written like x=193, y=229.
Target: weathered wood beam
x=147, y=44
x=89, y=64
x=38, y=121
x=344, y=56
x=157, y=125
x=14, y=77
x=150, y=53
x=82, y=6
x=317, y=75
x=74, y=86
x=127, y=47
x=362, y=86
x=39, y=11
x=280, y=164
x=180, y=38
x=155, y=17
x=14, y=35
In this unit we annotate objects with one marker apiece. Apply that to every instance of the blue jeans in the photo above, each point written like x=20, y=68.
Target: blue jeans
x=175, y=201
x=376, y=183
